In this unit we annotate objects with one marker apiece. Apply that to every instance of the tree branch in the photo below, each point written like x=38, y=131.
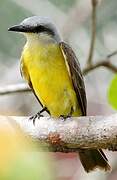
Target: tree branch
x=69, y=135
x=112, y=54
x=104, y=63
x=93, y=34
x=14, y=88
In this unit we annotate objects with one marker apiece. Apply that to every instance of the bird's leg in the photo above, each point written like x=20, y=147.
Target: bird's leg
x=64, y=117
x=38, y=115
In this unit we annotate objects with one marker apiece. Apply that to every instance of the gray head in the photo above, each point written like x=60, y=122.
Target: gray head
x=37, y=24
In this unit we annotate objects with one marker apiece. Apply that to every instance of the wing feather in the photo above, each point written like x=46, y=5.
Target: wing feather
x=76, y=75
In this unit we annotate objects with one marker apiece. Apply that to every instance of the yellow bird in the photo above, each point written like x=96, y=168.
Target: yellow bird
x=52, y=70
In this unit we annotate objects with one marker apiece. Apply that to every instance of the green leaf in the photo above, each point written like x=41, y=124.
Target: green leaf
x=112, y=92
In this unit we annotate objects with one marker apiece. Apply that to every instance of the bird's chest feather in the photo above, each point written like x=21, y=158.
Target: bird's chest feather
x=48, y=72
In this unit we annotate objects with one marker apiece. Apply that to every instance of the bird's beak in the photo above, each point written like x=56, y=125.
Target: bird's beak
x=17, y=28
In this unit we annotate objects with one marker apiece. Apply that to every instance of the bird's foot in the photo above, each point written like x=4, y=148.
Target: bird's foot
x=64, y=117
x=38, y=115
x=34, y=117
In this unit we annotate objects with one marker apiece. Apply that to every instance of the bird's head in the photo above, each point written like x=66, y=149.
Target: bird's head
x=37, y=26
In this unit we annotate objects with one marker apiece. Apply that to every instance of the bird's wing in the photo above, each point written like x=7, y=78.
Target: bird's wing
x=76, y=75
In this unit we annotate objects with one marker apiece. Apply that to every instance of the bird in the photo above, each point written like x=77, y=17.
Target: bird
x=52, y=70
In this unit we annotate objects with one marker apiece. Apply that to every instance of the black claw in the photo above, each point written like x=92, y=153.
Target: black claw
x=32, y=117
x=38, y=115
x=64, y=117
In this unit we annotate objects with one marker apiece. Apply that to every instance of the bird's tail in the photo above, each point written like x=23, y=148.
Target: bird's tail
x=92, y=159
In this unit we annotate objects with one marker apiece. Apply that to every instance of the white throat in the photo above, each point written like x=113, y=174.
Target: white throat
x=42, y=38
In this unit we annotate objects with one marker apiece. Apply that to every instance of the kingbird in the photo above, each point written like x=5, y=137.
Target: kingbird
x=53, y=72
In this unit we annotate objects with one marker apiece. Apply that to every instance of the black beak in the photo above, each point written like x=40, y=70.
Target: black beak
x=17, y=28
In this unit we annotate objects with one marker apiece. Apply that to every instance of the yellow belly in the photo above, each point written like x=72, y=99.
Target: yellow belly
x=50, y=79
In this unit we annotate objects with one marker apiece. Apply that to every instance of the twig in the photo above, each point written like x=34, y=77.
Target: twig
x=103, y=63
x=112, y=54
x=70, y=135
x=14, y=88
x=93, y=34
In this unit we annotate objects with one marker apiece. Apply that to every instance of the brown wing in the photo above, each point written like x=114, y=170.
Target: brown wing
x=90, y=158
x=76, y=75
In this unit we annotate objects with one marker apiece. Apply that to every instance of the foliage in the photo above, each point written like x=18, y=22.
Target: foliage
x=112, y=92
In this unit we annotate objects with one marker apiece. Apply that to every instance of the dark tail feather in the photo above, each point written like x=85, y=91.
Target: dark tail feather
x=92, y=159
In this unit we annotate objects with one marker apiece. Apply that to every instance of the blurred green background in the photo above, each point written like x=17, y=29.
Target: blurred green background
x=73, y=19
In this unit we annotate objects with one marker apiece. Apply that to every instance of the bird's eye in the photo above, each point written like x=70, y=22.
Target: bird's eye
x=41, y=28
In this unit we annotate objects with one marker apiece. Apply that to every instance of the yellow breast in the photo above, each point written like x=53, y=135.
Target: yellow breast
x=50, y=79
